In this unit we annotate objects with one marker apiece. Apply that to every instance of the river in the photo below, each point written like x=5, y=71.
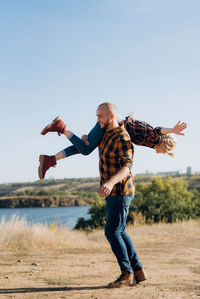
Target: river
x=63, y=216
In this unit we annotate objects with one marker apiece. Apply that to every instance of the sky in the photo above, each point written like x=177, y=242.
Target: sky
x=66, y=57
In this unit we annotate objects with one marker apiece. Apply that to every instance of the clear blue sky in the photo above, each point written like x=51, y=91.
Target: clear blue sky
x=65, y=57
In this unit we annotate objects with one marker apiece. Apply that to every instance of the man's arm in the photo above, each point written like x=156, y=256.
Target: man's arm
x=107, y=187
x=125, y=151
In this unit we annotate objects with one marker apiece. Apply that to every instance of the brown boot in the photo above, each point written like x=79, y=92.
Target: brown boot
x=134, y=282
x=45, y=163
x=140, y=276
x=57, y=125
x=125, y=279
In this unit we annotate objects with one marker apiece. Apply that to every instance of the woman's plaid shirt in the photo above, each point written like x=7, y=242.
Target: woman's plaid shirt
x=116, y=151
x=142, y=133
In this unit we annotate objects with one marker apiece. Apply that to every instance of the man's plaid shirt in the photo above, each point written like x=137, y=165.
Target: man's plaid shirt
x=116, y=151
x=142, y=133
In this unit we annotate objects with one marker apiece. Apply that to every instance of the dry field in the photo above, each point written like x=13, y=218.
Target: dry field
x=41, y=262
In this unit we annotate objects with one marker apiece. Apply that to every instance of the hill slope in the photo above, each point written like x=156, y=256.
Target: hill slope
x=64, y=192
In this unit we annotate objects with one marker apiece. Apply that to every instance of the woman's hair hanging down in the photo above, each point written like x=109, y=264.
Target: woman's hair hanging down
x=167, y=143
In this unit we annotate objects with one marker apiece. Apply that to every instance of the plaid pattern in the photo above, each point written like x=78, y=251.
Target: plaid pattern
x=141, y=133
x=116, y=151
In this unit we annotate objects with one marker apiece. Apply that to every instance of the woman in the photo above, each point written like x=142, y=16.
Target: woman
x=141, y=133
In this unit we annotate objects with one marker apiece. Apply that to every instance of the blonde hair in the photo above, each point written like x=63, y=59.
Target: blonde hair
x=167, y=143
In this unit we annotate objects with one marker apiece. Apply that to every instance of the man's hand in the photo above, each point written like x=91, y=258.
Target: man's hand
x=105, y=189
x=179, y=127
x=85, y=139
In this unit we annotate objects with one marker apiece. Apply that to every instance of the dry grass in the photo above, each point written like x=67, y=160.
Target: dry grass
x=71, y=264
x=18, y=234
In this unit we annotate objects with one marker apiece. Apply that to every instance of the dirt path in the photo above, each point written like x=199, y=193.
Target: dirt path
x=170, y=257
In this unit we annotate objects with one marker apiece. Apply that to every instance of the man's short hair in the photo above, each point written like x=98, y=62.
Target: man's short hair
x=110, y=107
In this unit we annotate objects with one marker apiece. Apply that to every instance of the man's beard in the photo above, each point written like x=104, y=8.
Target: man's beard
x=105, y=127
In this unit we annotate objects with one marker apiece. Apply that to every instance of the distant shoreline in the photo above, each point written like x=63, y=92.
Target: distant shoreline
x=39, y=202
x=66, y=192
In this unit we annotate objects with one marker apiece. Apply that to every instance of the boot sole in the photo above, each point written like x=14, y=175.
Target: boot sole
x=48, y=126
x=41, y=159
x=128, y=284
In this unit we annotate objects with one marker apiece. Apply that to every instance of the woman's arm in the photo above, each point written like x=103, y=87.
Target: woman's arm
x=177, y=129
x=144, y=134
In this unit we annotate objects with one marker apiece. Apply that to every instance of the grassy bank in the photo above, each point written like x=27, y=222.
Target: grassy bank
x=66, y=192
x=49, y=193
x=18, y=234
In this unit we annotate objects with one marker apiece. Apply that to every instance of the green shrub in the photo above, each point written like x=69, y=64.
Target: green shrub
x=98, y=216
x=165, y=201
x=160, y=200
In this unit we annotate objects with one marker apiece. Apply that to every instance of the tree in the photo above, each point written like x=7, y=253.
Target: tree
x=164, y=201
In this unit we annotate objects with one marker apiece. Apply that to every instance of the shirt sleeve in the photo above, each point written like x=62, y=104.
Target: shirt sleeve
x=157, y=131
x=142, y=133
x=126, y=152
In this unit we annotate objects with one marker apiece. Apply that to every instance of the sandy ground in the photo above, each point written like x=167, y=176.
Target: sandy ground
x=171, y=258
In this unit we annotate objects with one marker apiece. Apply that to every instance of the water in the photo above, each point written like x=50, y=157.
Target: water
x=63, y=216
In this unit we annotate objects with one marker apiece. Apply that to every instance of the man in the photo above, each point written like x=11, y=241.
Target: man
x=117, y=185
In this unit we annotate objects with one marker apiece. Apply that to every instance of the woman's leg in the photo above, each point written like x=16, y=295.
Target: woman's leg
x=67, y=152
x=94, y=138
x=79, y=146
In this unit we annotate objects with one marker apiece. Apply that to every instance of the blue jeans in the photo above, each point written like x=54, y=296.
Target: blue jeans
x=79, y=146
x=117, y=208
